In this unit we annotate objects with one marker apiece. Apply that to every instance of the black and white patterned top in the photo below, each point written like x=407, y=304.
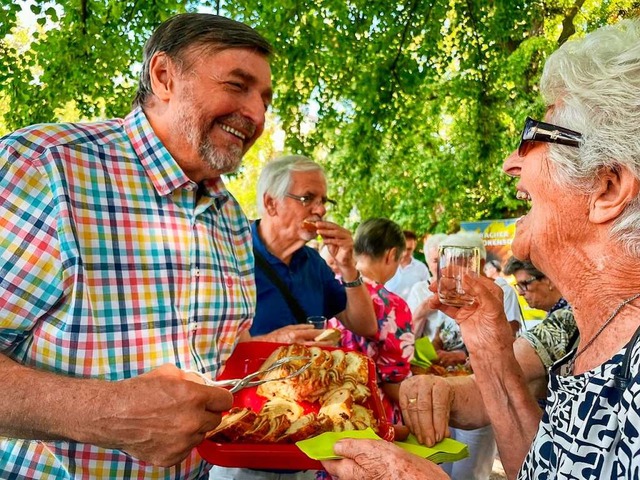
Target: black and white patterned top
x=590, y=429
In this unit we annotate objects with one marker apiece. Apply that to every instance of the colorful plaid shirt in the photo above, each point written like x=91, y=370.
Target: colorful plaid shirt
x=111, y=265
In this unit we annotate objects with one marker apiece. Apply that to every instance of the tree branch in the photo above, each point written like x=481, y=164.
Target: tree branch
x=568, y=28
x=394, y=64
x=84, y=15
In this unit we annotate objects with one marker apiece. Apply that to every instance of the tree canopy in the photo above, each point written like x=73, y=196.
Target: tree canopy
x=411, y=106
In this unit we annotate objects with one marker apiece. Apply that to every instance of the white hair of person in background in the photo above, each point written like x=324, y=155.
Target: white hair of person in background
x=426, y=320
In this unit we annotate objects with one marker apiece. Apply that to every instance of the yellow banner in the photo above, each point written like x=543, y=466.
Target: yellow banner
x=497, y=236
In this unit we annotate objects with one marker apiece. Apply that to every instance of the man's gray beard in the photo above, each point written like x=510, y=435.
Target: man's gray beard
x=189, y=126
x=221, y=162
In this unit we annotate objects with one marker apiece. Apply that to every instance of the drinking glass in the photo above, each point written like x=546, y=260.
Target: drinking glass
x=318, y=321
x=453, y=264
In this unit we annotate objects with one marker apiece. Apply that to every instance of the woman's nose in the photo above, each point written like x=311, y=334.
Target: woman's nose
x=512, y=164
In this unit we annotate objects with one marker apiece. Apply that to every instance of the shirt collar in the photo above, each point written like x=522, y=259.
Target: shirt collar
x=216, y=189
x=562, y=303
x=162, y=169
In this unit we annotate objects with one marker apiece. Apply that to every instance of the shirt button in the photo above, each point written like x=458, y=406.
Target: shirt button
x=229, y=282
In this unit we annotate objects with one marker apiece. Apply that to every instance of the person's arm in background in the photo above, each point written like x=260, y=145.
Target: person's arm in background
x=300, y=333
x=358, y=315
x=512, y=308
x=437, y=340
x=447, y=358
x=396, y=350
x=418, y=302
x=420, y=320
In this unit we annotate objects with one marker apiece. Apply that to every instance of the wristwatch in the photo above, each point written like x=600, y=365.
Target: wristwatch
x=356, y=283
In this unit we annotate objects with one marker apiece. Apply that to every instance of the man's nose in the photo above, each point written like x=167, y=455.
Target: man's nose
x=318, y=208
x=254, y=109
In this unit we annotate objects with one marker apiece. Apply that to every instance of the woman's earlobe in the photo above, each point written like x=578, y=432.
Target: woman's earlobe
x=391, y=255
x=614, y=190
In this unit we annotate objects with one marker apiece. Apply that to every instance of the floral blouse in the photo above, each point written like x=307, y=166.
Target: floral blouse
x=392, y=346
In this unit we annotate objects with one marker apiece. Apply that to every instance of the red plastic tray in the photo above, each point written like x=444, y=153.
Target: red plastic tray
x=246, y=358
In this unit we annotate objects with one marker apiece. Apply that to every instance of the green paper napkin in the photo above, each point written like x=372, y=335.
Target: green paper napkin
x=447, y=450
x=321, y=447
x=424, y=353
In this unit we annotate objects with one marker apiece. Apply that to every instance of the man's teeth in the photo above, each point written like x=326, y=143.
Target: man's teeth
x=233, y=131
x=523, y=196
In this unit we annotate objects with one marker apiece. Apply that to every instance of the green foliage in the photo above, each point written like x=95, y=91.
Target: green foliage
x=411, y=105
x=242, y=184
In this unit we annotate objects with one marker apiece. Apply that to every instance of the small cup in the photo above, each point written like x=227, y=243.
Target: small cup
x=453, y=264
x=318, y=321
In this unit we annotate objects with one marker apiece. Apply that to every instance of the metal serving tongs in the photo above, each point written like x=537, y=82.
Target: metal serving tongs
x=238, y=384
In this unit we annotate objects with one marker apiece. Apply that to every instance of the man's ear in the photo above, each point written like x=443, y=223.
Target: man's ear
x=614, y=189
x=161, y=72
x=270, y=205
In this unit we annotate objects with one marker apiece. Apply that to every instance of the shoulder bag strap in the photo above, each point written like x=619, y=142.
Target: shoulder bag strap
x=293, y=304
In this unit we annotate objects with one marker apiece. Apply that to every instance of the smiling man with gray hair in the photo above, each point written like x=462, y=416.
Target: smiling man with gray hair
x=124, y=263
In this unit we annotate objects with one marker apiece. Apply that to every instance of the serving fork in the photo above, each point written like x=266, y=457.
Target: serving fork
x=249, y=380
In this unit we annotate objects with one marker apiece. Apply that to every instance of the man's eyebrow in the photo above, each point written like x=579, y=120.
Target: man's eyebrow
x=251, y=79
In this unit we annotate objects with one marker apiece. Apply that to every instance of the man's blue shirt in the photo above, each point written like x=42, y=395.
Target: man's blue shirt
x=310, y=281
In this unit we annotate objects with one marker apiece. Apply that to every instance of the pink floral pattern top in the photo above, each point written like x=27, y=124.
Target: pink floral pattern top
x=392, y=347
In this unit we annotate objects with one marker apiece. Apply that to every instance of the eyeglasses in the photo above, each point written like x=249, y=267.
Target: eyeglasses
x=312, y=200
x=524, y=285
x=535, y=131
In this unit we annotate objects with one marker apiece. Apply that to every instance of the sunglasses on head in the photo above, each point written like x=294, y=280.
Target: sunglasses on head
x=535, y=131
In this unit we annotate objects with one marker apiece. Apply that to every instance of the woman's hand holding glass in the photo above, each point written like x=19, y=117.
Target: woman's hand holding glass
x=483, y=324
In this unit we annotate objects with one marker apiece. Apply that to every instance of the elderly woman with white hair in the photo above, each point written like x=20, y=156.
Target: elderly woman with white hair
x=426, y=320
x=580, y=169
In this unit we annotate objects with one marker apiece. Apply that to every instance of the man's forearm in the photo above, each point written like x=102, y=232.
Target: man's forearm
x=43, y=406
x=359, y=316
x=157, y=417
